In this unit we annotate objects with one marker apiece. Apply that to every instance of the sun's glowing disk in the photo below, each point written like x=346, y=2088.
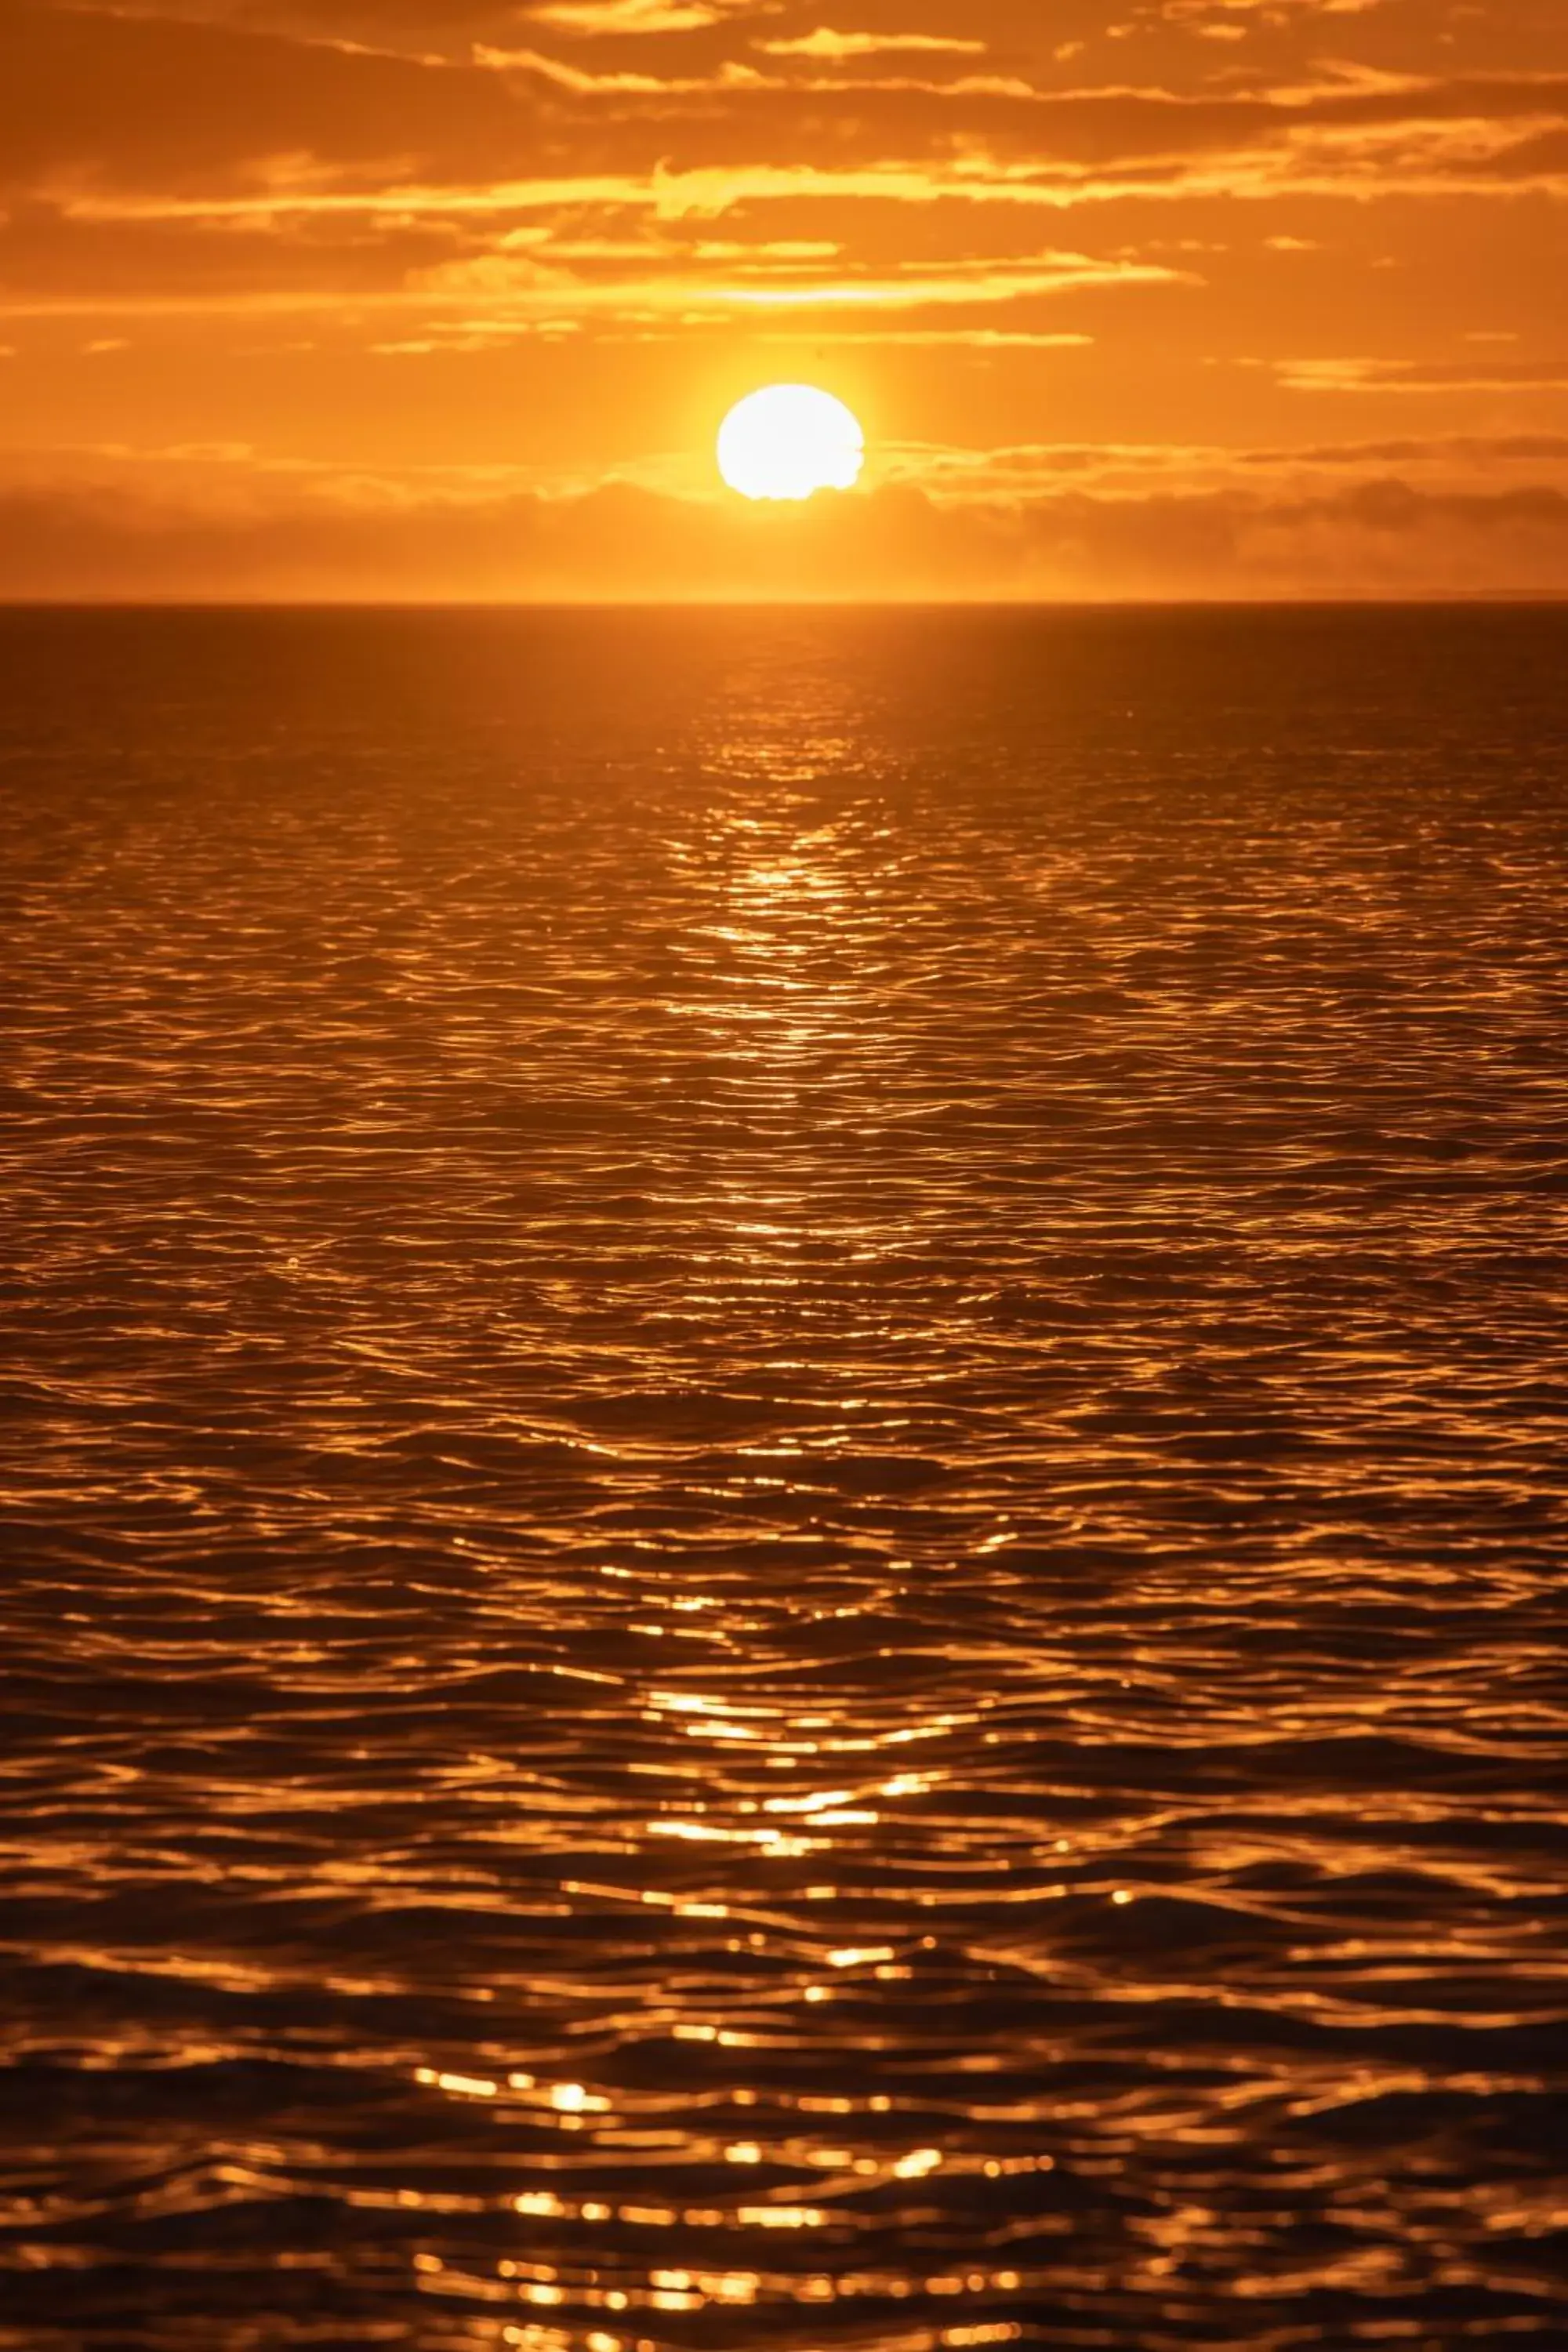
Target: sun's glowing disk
x=789, y=440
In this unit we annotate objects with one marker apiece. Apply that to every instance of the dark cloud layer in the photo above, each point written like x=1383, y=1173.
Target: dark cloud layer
x=176, y=105
x=1382, y=535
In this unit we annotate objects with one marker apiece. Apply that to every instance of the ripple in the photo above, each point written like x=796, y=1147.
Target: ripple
x=788, y=1465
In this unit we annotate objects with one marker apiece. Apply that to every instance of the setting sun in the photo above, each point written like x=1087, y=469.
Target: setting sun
x=788, y=441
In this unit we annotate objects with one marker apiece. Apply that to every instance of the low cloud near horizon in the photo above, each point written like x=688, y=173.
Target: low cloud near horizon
x=1377, y=535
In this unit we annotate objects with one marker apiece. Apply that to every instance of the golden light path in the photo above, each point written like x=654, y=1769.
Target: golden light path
x=789, y=440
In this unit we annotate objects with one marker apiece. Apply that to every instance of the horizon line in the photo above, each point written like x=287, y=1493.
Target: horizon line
x=1426, y=599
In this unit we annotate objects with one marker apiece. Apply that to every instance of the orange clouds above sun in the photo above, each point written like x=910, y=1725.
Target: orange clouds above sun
x=437, y=297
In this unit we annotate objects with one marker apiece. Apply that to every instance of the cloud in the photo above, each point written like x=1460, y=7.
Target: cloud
x=823, y=43
x=90, y=100
x=605, y=19
x=465, y=538
x=93, y=101
x=529, y=284
x=1363, y=375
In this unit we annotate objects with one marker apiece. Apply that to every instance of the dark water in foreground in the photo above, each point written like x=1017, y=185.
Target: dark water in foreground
x=786, y=1480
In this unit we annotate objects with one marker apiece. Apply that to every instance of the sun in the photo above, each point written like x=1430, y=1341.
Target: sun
x=789, y=440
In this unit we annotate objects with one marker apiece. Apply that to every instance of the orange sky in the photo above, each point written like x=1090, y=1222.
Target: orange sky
x=436, y=297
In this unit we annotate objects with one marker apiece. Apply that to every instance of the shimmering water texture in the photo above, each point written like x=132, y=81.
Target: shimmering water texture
x=786, y=1482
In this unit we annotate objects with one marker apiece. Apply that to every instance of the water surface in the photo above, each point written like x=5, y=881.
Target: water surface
x=786, y=1481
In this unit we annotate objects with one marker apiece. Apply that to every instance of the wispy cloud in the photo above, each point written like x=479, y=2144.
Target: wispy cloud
x=604, y=18
x=1361, y=376
x=826, y=43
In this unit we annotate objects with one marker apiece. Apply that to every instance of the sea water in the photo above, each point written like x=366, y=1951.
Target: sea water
x=785, y=1480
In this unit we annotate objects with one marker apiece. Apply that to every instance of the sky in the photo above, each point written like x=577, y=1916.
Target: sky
x=437, y=299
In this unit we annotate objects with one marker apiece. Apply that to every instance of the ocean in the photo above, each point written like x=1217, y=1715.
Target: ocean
x=785, y=1479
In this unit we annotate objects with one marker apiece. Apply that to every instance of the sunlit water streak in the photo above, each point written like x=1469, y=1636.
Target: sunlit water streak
x=785, y=1481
